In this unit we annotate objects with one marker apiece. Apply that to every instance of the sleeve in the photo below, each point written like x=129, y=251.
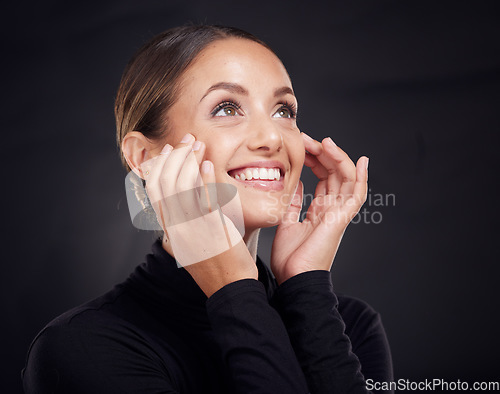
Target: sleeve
x=253, y=340
x=68, y=359
x=310, y=311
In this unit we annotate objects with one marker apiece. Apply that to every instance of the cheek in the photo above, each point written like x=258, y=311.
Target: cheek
x=220, y=156
x=296, y=153
x=220, y=149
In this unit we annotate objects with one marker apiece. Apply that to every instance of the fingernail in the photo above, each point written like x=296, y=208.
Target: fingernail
x=307, y=137
x=166, y=149
x=206, y=166
x=187, y=138
x=196, y=145
x=330, y=141
x=367, y=161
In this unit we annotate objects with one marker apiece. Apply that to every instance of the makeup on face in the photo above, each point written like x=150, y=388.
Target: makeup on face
x=238, y=99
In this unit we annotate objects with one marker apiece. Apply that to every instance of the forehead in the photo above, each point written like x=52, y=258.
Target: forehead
x=237, y=60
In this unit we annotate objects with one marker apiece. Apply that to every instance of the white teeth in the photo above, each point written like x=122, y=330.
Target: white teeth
x=258, y=173
x=248, y=174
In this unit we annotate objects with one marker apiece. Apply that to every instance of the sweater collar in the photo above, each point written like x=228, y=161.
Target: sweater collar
x=161, y=284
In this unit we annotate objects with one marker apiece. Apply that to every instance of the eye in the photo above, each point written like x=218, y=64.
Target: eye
x=287, y=110
x=226, y=108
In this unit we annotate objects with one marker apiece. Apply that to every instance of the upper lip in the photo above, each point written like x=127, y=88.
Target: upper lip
x=262, y=164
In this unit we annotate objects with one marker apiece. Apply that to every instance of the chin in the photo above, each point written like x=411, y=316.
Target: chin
x=262, y=215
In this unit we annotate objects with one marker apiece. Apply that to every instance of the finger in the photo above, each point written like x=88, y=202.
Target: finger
x=292, y=214
x=208, y=197
x=341, y=169
x=199, y=153
x=188, y=191
x=153, y=169
x=189, y=175
x=189, y=182
x=361, y=185
x=323, y=167
x=320, y=171
x=171, y=201
x=317, y=168
x=184, y=178
x=320, y=189
x=174, y=165
x=311, y=145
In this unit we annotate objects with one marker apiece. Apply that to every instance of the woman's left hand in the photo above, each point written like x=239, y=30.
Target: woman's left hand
x=341, y=191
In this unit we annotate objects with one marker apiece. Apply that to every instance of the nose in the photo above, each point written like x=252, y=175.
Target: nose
x=264, y=135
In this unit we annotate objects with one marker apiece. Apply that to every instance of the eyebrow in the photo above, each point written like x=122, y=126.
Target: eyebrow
x=230, y=87
x=236, y=88
x=283, y=91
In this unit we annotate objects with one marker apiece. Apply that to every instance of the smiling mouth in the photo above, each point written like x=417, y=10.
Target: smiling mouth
x=257, y=174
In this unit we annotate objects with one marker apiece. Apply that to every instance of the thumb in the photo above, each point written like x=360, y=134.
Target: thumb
x=292, y=214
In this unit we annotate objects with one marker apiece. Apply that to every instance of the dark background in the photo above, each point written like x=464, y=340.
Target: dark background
x=414, y=85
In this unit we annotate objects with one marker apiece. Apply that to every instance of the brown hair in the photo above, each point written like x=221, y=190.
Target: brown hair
x=149, y=84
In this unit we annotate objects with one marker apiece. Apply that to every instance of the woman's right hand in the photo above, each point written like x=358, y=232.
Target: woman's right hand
x=182, y=190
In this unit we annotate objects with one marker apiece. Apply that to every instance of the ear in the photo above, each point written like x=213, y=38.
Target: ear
x=136, y=149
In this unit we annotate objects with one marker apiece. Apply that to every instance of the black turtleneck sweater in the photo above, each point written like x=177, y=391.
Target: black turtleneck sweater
x=158, y=333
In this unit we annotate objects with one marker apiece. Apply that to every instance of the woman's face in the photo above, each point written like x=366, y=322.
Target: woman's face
x=237, y=98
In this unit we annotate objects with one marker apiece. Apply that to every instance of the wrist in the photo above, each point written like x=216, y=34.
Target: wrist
x=230, y=266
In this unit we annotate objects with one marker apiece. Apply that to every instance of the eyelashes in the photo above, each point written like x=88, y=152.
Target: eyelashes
x=287, y=109
x=291, y=107
x=227, y=105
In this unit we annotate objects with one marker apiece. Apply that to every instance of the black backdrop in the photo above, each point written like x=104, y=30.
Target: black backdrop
x=412, y=84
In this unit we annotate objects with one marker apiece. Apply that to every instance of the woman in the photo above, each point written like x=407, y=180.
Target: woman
x=200, y=106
